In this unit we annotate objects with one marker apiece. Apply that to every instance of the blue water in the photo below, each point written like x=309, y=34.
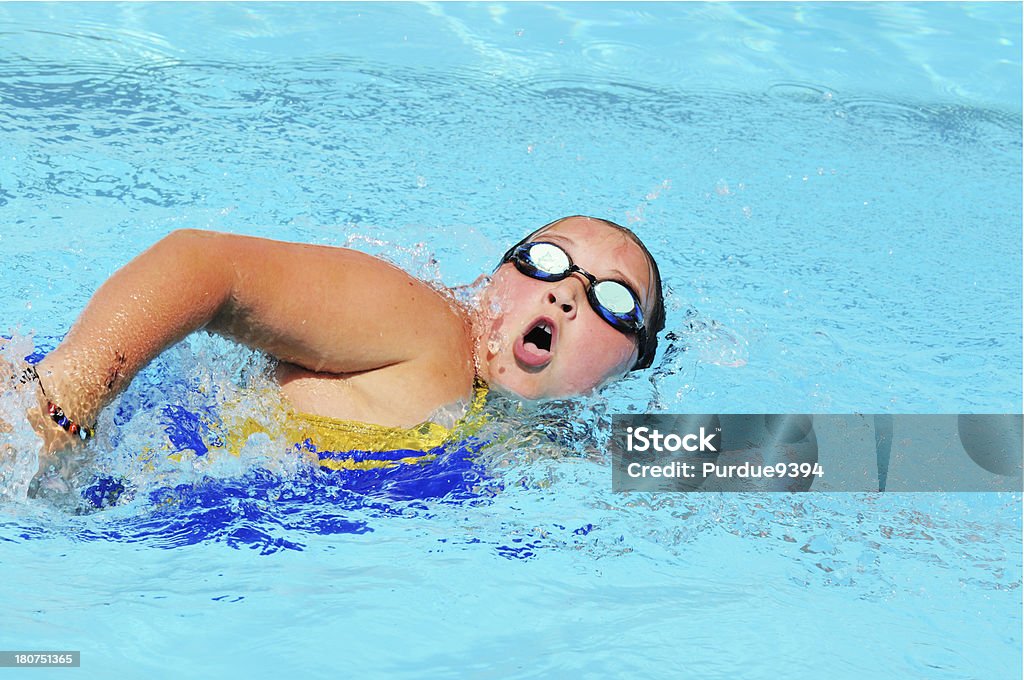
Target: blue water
x=833, y=192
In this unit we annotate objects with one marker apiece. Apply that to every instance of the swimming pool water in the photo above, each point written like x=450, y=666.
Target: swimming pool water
x=833, y=192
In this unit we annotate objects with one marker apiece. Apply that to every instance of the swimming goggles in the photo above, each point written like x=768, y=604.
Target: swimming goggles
x=614, y=301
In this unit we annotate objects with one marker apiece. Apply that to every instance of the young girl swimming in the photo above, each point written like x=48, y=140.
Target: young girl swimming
x=576, y=304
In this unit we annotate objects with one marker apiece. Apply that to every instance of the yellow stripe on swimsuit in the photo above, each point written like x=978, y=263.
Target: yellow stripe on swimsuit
x=351, y=445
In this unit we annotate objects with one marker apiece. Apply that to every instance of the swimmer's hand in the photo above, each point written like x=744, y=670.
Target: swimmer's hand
x=58, y=458
x=60, y=455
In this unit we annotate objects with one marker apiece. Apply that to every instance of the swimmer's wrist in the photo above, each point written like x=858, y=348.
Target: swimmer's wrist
x=80, y=430
x=53, y=414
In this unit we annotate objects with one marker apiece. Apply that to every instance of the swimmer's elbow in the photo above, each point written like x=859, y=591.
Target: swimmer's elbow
x=190, y=236
x=198, y=259
x=188, y=250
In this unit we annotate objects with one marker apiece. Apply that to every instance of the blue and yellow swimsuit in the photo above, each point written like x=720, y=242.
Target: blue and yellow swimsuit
x=334, y=444
x=352, y=445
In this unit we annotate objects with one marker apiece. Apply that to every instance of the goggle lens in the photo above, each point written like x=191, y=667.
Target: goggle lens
x=614, y=297
x=549, y=259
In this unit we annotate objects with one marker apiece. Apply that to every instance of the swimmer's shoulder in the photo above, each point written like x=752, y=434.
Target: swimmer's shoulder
x=436, y=371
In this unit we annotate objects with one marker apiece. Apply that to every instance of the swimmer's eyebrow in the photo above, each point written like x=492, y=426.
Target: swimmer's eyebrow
x=568, y=241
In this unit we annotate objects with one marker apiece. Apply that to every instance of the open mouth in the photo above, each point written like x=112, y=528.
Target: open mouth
x=533, y=348
x=539, y=336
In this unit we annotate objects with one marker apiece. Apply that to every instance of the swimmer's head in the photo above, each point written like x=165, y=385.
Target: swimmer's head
x=559, y=335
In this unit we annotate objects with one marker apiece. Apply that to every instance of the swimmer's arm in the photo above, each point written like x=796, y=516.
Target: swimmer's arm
x=325, y=309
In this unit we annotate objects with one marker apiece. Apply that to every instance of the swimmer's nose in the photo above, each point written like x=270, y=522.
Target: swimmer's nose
x=565, y=295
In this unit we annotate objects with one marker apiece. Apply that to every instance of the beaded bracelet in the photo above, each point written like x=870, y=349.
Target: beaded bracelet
x=56, y=413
